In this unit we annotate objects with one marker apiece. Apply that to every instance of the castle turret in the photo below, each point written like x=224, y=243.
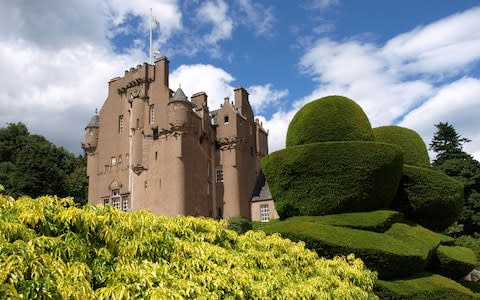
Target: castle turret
x=179, y=109
x=91, y=135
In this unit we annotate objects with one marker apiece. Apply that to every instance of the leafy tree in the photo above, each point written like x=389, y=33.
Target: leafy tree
x=447, y=143
x=453, y=161
x=31, y=165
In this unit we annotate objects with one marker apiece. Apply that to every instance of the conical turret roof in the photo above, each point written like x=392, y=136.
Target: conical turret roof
x=93, y=122
x=179, y=95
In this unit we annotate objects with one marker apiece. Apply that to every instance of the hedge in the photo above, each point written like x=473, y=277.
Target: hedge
x=453, y=261
x=428, y=197
x=404, y=251
x=332, y=118
x=333, y=177
x=414, y=149
x=424, y=286
x=378, y=220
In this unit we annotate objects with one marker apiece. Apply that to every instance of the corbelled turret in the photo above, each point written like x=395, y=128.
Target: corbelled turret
x=91, y=135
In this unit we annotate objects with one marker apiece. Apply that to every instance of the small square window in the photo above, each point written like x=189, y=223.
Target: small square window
x=125, y=204
x=225, y=119
x=264, y=214
x=115, y=193
x=106, y=202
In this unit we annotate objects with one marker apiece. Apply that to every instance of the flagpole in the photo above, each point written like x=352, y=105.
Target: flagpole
x=150, y=52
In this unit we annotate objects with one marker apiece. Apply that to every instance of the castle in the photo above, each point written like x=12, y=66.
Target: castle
x=152, y=148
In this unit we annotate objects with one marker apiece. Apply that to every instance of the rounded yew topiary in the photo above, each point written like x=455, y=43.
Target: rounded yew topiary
x=428, y=197
x=333, y=177
x=414, y=149
x=453, y=261
x=332, y=118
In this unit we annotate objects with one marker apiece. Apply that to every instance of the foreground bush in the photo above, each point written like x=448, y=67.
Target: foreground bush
x=50, y=249
x=454, y=261
x=333, y=177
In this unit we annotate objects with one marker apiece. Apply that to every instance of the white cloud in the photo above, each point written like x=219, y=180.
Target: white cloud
x=446, y=45
x=323, y=4
x=457, y=103
x=203, y=78
x=215, y=12
x=257, y=16
x=262, y=96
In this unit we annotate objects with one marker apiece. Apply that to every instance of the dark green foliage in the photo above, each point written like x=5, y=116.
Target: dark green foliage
x=424, y=286
x=446, y=240
x=239, y=224
x=333, y=177
x=31, y=165
x=453, y=261
x=401, y=251
x=378, y=221
x=472, y=285
x=428, y=197
x=472, y=242
x=446, y=142
x=465, y=169
x=414, y=149
x=332, y=118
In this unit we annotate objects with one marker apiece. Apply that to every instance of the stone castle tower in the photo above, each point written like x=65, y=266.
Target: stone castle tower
x=152, y=148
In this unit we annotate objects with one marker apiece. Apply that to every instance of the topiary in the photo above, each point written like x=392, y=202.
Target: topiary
x=428, y=197
x=332, y=118
x=333, y=177
x=424, y=286
x=453, y=261
x=414, y=150
x=403, y=250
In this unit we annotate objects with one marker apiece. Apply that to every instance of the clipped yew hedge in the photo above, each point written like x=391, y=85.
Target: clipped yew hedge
x=401, y=251
x=377, y=221
x=415, y=152
x=332, y=118
x=428, y=197
x=51, y=249
x=453, y=261
x=424, y=286
x=333, y=177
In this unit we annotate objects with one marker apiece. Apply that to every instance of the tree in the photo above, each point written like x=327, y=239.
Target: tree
x=453, y=161
x=447, y=143
x=31, y=165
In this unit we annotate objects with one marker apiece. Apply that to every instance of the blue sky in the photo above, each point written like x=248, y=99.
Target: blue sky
x=411, y=63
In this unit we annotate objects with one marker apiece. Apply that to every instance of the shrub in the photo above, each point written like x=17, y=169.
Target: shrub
x=378, y=220
x=333, y=177
x=50, y=249
x=428, y=197
x=472, y=242
x=239, y=224
x=423, y=286
x=453, y=261
x=413, y=148
x=332, y=118
x=401, y=251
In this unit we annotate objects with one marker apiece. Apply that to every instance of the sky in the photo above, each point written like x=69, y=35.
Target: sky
x=407, y=63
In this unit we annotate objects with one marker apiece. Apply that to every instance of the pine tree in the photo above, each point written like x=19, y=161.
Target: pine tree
x=447, y=143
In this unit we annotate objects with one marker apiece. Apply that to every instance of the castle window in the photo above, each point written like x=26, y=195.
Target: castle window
x=151, y=114
x=116, y=203
x=121, y=124
x=119, y=161
x=225, y=119
x=113, y=161
x=106, y=202
x=155, y=133
x=138, y=123
x=115, y=193
x=219, y=174
x=125, y=203
x=264, y=215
